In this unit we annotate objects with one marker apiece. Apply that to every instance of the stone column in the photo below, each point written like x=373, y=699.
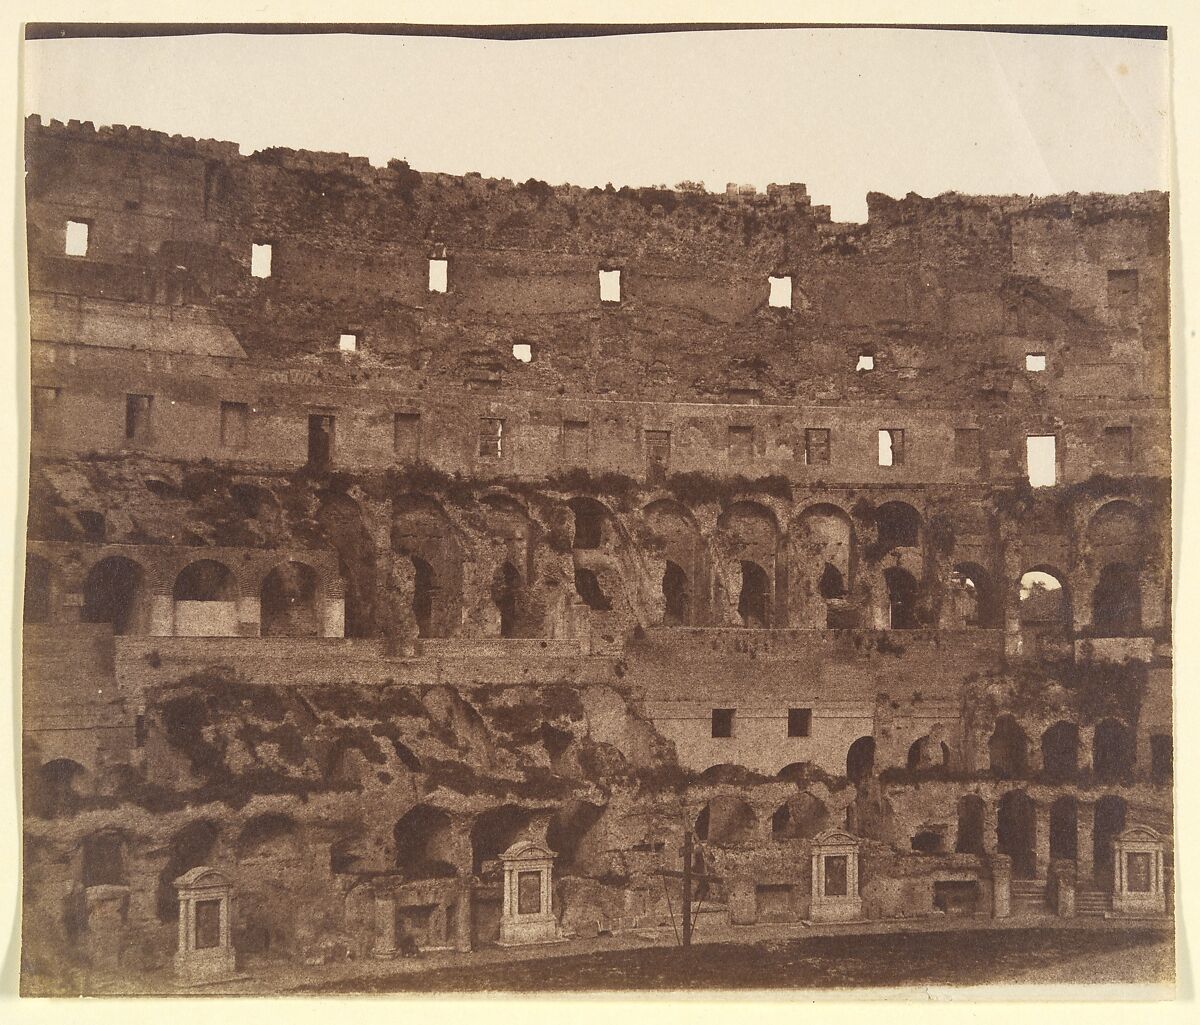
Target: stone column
x=990, y=822
x=1001, y=885
x=1062, y=874
x=1084, y=869
x=463, y=920
x=162, y=614
x=1041, y=840
x=333, y=623
x=384, y=946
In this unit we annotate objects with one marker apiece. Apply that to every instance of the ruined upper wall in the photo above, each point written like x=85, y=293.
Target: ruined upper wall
x=941, y=291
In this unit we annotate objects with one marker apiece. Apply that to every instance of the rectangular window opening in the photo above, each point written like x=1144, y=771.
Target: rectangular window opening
x=523, y=352
x=348, y=341
x=658, y=452
x=233, y=424
x=799, y=722
x=1040, y=460
x=260, y=259
x=491, y=437
x=321, y=428
x=865, y=362
x=891, y=446
x=816, y=446
x=722, y=722
x=1118, y=445
x=137, y=416
x=610, y=286
x=1035, y=362
x=575, y=442
x=77, y=238
x=439, y=274
x=968, y=446
x=781, y=292
x=406, y=437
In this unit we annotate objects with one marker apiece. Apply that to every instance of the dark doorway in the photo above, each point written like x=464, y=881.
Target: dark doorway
x=1113, y=752
x=969, y=839
x=587, y=586
x=675, y=596
x=902, y=599
x=1016, y=832
x=589, y=522
x=320, y=441
x=113, y=593
x=1107, y=823
x=831, y=584
x=424, y=590
x=506, y=593
x=860, y=760
x=754, y=602
x=1060, y=751
x=1007, y=749
x=1064, y=829
x=1117, y=602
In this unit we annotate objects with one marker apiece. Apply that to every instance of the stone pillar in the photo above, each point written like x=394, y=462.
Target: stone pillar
x=1084, y=869
x=249, y=615
x=1001, y=885
x=990, y=823
x=1041, y=840
x=1062, y=885
x=162, y=614
x=333, y=622
x=1087, y=735
x=463, y=921
x=384, y=946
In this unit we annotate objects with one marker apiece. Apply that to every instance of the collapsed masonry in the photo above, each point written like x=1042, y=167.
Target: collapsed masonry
x=381, y=520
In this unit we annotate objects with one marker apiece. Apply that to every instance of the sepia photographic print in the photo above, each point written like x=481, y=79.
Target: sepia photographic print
x=542, y=509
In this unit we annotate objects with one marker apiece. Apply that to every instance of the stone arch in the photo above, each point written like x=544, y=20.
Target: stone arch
x=1008, y=749
x=1114, y=526
x=971, y=814
x=103, y=861
x=685, y=576
x=508, y=595
x=344, y=529
x=926, y=753
x=115, y=591
x=1064, y=828
x=495, y=831
x=571, y=833
x=897, y=525
x=423, y=839
x=39, y=589
x=422, y=531
x=1108, y=822
x=749, y=540
x=903, y=591
x=289, y=602
x=975, y=596
x=795, y=771
x=1044, y=599
x=193, y=845
x=1016, y=832
x=1060, y=751
x=205, y=597
x=823, y=543
x=726, y=821
x=1113, y=752
x=800, y=817
x=860, y=760
x=1117, y=601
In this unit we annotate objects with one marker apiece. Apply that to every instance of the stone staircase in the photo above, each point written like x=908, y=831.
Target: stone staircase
x=1028, y=897
x=1091, y=902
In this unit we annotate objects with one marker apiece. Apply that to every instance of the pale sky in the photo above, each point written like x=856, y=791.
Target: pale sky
x=845, y=111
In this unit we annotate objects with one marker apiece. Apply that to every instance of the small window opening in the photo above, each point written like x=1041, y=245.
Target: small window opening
x=523, y=352
x=439, y=274
x=799, y=722
x=233, y=424
x=77, y=238
x=320, y=440
x=137, y=416
x=491, y=437
x=658, y=452
x=260, y=260
x=781, y=292
x=406, y=438
x=722, y=722
x=891, y=447
x=1118, y=445
x=1035, y=362
x=865, y=362
x=348, y=341
x=610, y=286
x=816, y=446
x=968, y=446
x=1040, y=462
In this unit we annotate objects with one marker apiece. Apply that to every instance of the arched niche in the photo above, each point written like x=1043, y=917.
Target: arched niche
x=115, y=591
x=205, y=596
x=344, y=529
x=423, y=532
x=290, y=605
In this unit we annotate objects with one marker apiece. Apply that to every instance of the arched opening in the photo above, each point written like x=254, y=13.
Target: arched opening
x=424, y=591
x=969, y=838
x=103, y=860
x=1064, y=829
x=1016, y=832
x=795, y=771
x=902, y=599
x=289, y=602
x=1008, y=749
x=800, y=817
x=860, y=760
x=924, y=754
x=726, y=821
x=1113, y=752
x=1108, y=821
x=754, y=600
x=898, y=525
x=191, y=847
x=589, y=522
x=205, y=597
x=1044, y=609
x=506, y=595
x=1117, y=602
x=974, y=595
x=676, y=596
x=114, y=591
x=570, y=833
x=56, y=788
x=1116, y=526
x=587, y=586
x=1060, y=751
x=37, y=589
x=831, y=584
x=424, y=844
x=823, y=539
x=494, y=832
x=341, y=523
